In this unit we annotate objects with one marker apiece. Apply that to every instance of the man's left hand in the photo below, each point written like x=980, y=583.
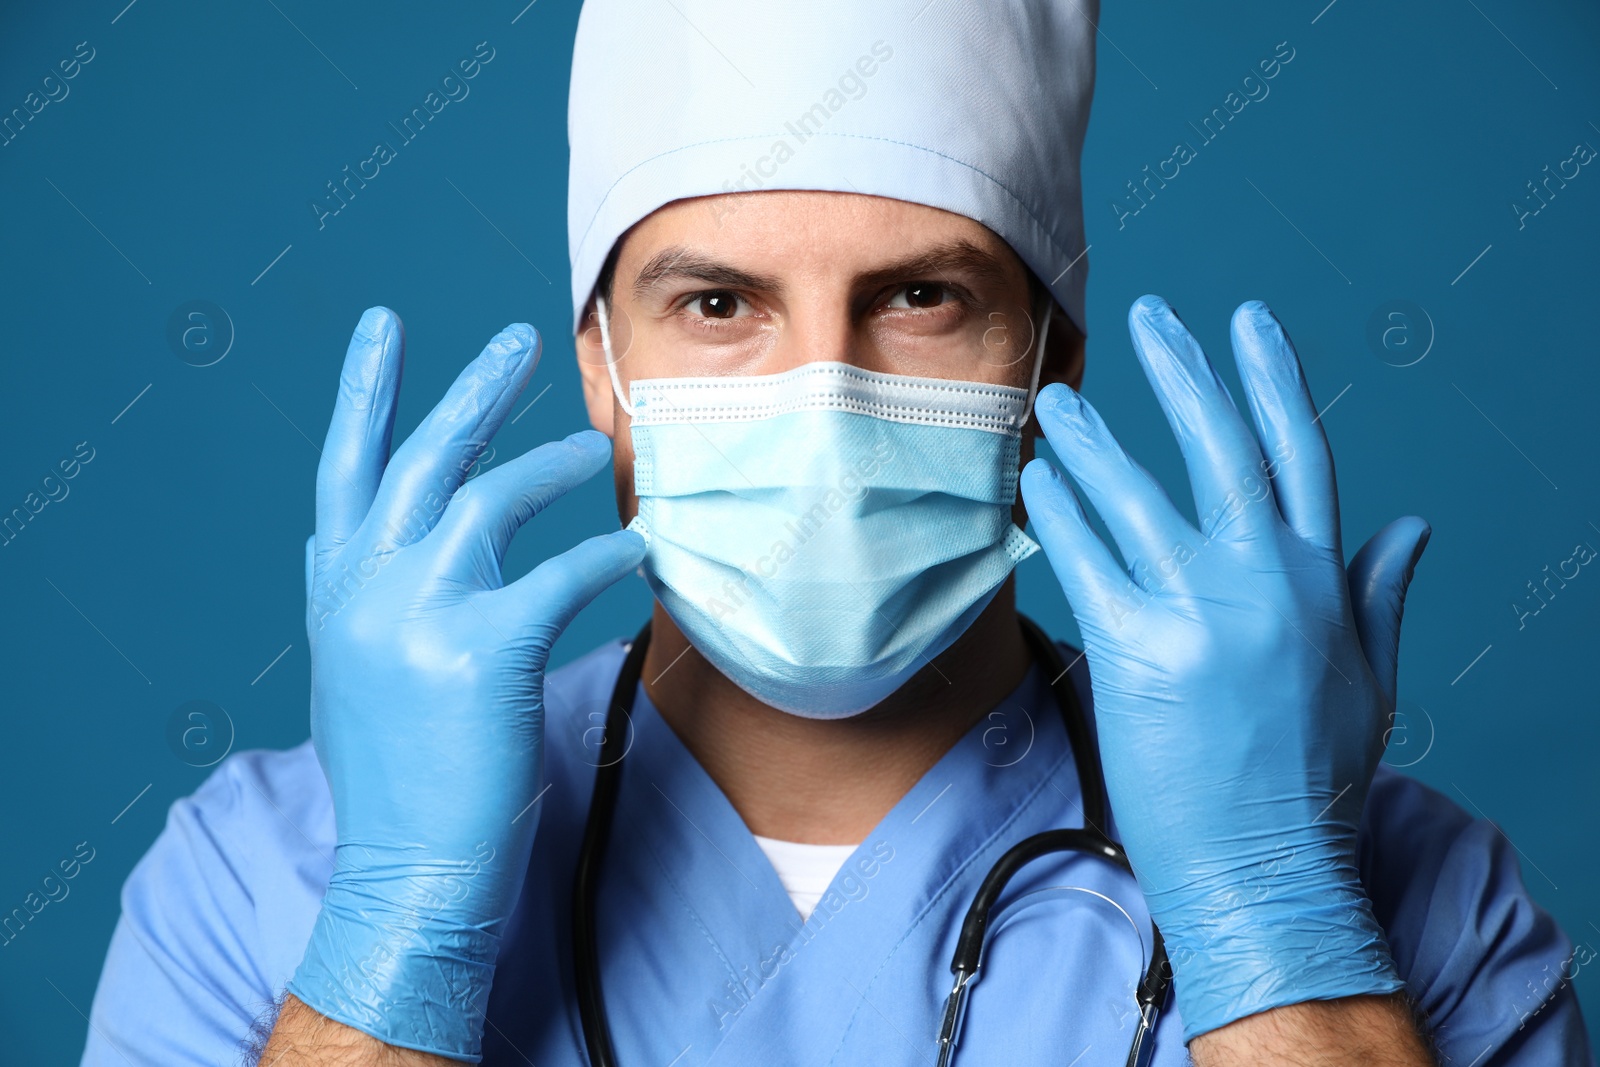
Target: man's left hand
x=1243, y=679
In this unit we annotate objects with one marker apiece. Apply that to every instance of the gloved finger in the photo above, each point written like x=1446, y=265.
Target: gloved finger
x=311, y=563
x=1088, y=572
x=1378, y=577
x=542, y=603
x=434, y=460
x=1298, y=458
x=486, y=513
x=1137, y=511
x=357, y=445
x=1222, y=455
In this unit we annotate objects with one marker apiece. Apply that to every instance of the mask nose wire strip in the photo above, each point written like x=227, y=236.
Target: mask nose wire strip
x=611, y=361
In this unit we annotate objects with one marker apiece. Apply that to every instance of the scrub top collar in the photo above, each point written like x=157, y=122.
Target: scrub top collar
x=1003, y=779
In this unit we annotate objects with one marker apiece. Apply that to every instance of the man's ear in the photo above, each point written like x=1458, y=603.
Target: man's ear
x=592, y=369
x=1063, y=351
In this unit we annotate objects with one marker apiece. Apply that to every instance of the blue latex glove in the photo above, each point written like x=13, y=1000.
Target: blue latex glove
x=427, y=679
x=1243, y=680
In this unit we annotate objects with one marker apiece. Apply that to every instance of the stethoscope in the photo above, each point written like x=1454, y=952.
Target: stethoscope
x=1090, y=840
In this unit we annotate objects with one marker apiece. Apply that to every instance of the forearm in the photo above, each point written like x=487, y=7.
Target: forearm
x=1378, y=1031
x=304, y=1038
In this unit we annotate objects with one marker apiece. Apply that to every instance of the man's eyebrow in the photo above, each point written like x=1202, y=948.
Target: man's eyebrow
x=957, y=256
x=679, y=262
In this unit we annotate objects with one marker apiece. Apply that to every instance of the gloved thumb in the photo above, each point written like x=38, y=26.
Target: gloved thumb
x=1378, y=577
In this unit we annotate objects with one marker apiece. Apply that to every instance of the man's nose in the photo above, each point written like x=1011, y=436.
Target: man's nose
x=819, y=330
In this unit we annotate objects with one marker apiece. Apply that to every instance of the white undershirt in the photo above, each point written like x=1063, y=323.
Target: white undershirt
x=805, y=870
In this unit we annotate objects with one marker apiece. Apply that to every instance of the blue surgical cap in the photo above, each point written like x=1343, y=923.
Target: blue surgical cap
x=975, y=108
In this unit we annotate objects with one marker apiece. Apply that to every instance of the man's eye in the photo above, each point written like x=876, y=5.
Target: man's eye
x=717, y=304
x=919, y=295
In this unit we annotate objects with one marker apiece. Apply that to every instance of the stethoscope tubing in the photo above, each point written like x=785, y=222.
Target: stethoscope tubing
x=1090, y=839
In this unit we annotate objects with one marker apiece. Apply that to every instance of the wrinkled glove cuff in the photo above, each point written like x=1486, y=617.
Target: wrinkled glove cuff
x=398, y=973
x=1240, y=959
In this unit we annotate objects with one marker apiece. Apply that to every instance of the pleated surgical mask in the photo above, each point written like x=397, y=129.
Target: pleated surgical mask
x=822, y=534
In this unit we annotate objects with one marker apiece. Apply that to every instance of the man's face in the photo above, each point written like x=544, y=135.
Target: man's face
x=764, y=282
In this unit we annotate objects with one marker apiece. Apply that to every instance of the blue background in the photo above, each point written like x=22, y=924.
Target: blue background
x=1381, y=167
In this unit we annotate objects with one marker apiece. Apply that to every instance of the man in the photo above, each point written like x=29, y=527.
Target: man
x=759, y=846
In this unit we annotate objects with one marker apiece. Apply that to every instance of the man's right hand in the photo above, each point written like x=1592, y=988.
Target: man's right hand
x=427, y=686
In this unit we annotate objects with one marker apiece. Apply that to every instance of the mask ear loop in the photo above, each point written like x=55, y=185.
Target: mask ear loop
x=1047, y=307
x=611, y=361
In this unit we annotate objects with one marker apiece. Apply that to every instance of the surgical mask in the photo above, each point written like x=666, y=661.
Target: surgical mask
x=822, y=534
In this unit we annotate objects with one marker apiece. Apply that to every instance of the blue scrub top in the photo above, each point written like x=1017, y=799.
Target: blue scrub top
x=706, y=961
